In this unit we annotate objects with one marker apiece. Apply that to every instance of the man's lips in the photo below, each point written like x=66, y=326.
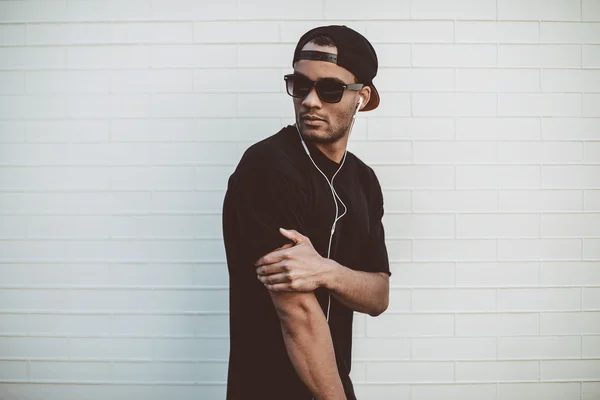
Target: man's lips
x=312, y=120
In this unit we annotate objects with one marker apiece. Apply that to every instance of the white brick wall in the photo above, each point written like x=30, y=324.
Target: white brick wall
x=121, y=120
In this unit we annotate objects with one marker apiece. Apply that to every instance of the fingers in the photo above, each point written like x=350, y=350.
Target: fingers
x=275, y=278
x=275, y=268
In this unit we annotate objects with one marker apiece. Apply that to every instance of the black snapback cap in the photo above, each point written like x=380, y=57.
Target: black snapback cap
x=354, y=52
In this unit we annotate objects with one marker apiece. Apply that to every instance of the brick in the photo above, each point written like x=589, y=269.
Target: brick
x=192, y=105
x=236, y=32
x=591, y=200
x=273, y=9
x=19, y=11
x=590, y=10
x=539, y=347
x=496, y=274
x=496, y=177
x=74, y=131
x=569, y=323
x=66, y=34
x=571, y=177
x=13, y=370
x=265, y=55
x=401, y=128
x=453, y=348
x=497, y=371
x=496, y=324
x=454, y=391
x=539, y=390
x=570, y=81
x=381, y=348
x=114, y=56
x=70, y=370
x=454, y=250
x=539, y=153
x=539, y=55
x=571, y=129
x=152, y=32
x=591, y=153
x=12, y=34
x=591, y=56
x=373, y=152
x=400, y=300
x=102, y=10
x=193, y=10
x=569, y=32
x=37, y=348
x=424, y=274
x=394, y=177
x=32, y=106
x=418, y=79
x=65, y=324
x=165, y=371
x=410, y=325
x=454, y=200
x=540, y=200
x=454, y=55
x=591, y=105
x=393, y=55
x=410, y=371
x=496, y=32
x=410, y=31
x=13, y=324
x=419, y=226
x=383, y=392
x=562, y=10
x=454, y=152
x=540, y=105
x=454, y=104
x=497, y=80
x=378, y=9
x=535, y=249
x=497, y=129
x=12, y=83
x=569, y=369
x=453, y=299
x=110, y=348
x=393, y=105
x=456, y=9
x=539, y=299
x=570, y=225
x=591, y=298
x=591, y=346
x=238, y=80
x=195, y=56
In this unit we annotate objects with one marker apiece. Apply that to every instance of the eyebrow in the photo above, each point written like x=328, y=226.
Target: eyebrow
x=328, y=77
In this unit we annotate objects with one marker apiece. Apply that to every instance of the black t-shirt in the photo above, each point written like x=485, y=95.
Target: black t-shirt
x=276, y=185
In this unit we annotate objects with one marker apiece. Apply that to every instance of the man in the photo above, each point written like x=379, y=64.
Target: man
x=293, y=291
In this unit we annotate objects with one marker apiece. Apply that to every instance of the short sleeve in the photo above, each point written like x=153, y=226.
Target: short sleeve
x=376, y=255
x=267, y=199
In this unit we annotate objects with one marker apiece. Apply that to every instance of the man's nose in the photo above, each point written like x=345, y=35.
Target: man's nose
x=312, y=99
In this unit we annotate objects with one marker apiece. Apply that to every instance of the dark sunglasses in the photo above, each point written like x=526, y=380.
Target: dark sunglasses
x=329, y=90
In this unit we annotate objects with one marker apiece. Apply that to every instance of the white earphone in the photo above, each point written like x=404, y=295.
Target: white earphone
x=333, y=192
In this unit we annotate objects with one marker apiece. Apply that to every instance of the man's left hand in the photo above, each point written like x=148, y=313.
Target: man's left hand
x=299, y=268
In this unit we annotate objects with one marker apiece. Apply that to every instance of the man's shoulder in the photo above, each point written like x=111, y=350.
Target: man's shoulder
x=274, y=155
x=365, y=171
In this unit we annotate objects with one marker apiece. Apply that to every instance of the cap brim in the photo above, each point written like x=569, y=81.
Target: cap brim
x=373, y=100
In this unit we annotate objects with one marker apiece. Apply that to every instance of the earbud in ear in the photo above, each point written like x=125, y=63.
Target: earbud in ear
x=359, y=103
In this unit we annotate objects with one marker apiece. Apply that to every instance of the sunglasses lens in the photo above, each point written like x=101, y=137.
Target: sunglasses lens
x=330, y=90
x=298, y=86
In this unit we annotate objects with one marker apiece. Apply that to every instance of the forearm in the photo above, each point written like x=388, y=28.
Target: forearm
x=310, y=348
x=365, y=292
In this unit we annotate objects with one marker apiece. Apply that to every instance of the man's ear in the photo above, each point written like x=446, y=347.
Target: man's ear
x=365, y=95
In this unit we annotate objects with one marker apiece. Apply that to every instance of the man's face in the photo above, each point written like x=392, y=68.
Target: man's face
x=319, y=121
